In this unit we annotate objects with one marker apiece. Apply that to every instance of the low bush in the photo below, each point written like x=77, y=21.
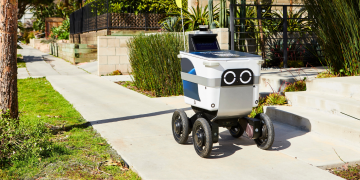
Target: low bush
x=154, y=62
x=296, y=86
x=275, y=99
x=62, y=31
x=114, y=73
x=349, y=172
x=270, y=100
x=337, y=27
x=22, y=140
x=27, y=35
x=326, y=74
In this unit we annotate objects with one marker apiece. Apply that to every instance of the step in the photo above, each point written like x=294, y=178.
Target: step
x=341, y=86
x=338, y=127
x=329, y=103
x=274, y=80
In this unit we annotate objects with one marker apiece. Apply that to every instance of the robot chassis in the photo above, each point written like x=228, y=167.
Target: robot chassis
x=219, y=102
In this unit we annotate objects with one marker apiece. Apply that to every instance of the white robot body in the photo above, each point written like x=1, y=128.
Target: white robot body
x=223, y=81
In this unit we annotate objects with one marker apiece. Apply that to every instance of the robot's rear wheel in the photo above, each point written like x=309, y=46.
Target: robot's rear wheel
x=202, y=138
x=236, y=131
x=267, y=137
x=180, y=126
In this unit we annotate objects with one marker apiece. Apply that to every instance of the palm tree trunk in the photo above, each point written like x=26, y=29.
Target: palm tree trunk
x=8, y=64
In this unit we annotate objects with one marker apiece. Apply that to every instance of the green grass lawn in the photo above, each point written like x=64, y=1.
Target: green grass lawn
x=20, y=61
x=74, y=150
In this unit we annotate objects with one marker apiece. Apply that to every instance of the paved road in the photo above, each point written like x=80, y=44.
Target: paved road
x=138, y=128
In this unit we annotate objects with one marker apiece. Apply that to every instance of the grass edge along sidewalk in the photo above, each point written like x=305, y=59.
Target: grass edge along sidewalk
x=52, y=140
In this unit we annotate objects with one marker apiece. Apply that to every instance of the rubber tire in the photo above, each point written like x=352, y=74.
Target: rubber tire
x=271, y=132
x=185, y=126
x=208, y=143
x=237, y=134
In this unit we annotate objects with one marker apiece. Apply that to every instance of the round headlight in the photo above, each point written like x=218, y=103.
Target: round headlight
x=229, y=77
x=245, y=77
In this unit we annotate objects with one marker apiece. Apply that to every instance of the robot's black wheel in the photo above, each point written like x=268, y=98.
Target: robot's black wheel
x=268, y=134
x=236, y=131
x=180, y=126
x=202, y=138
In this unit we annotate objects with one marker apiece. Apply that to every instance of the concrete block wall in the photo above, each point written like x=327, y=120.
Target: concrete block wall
x=113, y=51
x=223, y=37
x=91, y=37
x=113, y=54
x=74, y=53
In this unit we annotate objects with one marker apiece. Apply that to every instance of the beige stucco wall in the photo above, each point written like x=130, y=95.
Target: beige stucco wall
x=113, y=54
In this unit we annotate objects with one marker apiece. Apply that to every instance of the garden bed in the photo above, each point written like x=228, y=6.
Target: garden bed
x=131, y=85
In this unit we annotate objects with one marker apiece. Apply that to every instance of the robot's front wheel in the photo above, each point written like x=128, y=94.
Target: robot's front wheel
x=180, y=126
x=236, y=131
x=202, y=138
x=266, y=139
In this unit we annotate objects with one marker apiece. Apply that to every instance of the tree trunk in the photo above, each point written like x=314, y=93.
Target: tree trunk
x=8, y=64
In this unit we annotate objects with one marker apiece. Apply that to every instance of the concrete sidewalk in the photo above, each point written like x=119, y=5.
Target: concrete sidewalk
x=139, y=129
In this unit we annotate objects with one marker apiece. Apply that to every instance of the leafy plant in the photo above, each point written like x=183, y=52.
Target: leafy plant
x=139, y=6
x=197, y=16
x=62, y=31
x=61, y=9
x=276, y=52
x=172, y=24
x=21, y=140
x=275, y=99
x=300, y=52
x=259, y=108
x=154, y=62
x=337, y=26
x=270, y=100
x=296, y=21
x=296, y=86
x=326, y=74
x=348, y=172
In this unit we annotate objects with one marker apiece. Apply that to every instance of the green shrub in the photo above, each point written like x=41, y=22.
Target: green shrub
x=154, y=62
x=62, y=31
x=270, y=100
x=348, y=172
x=326, y=74
x=275, y=99
x=296, y=86
x=337, y=26
x=21, y=140
x=259, y=108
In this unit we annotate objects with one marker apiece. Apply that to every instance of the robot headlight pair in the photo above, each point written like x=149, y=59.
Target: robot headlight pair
x=237, y=77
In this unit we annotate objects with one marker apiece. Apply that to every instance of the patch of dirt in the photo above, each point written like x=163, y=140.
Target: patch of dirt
x=130, y=85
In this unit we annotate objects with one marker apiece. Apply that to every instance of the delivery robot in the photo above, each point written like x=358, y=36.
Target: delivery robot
x=222, y=87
